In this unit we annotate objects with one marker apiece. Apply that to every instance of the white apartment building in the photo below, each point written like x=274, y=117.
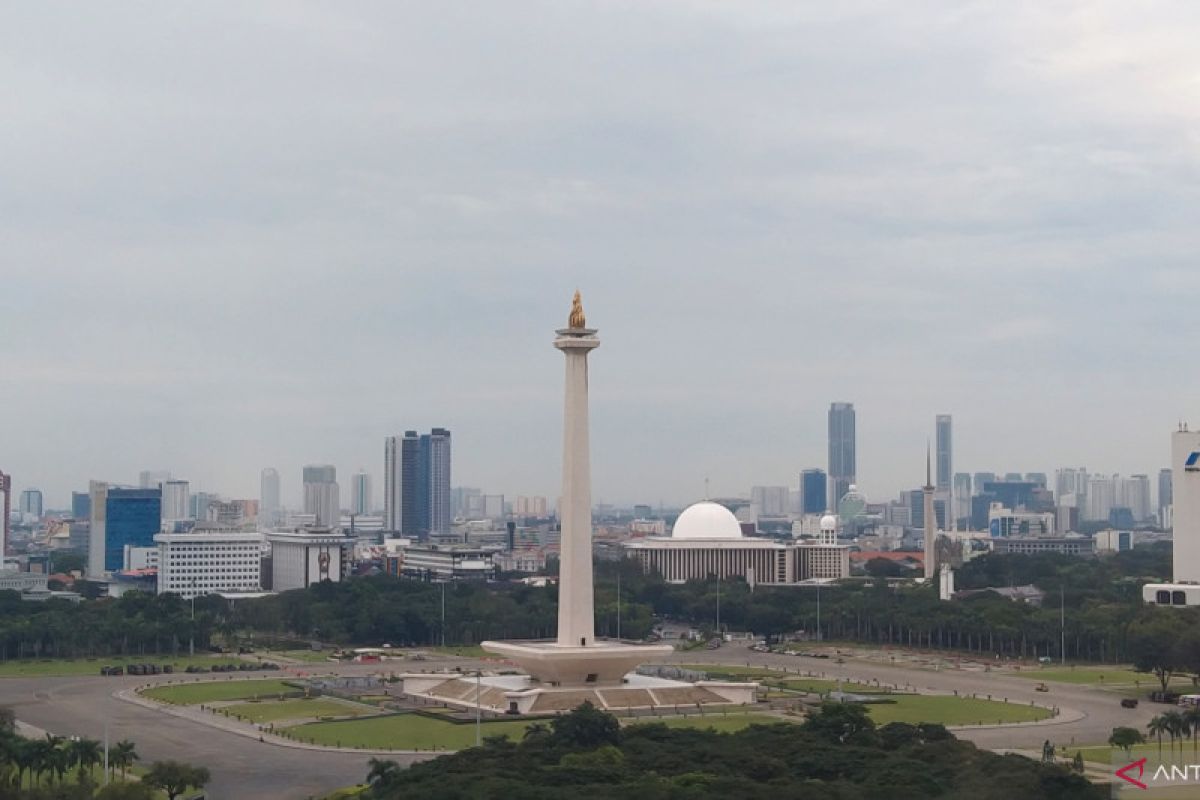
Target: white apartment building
x=207, y=562
x=306, y=556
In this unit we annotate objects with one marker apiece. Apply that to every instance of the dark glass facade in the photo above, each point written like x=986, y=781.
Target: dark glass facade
x=814, y=491
x=133, y=517
x=81, y=506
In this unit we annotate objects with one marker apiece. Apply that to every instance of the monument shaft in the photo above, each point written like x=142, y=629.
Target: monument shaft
x=576, y=614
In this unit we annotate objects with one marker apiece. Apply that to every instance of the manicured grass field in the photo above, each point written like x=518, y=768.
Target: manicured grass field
x=732, y=671
x=1103, y=754
x=308, y=656
x=948, y=710
x=722, y=723
x=462, y=651
x=212, y=691
x=1083, y=675
x=275, y=710
x=91, y=666
x=402, y=732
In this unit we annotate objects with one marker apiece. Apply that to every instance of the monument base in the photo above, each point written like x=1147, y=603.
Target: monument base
x=599, y=664
x=520, y=694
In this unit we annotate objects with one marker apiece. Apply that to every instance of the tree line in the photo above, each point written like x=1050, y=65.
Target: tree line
x=58, y=768
x=838, y=752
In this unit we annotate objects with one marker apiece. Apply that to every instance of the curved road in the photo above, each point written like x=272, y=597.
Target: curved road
x=245, y=769
x=1097, y=711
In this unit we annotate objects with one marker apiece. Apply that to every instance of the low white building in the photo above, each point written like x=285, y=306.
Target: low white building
x=449, y=562
x=208, y=562
x=707, y=540
x=306, y=556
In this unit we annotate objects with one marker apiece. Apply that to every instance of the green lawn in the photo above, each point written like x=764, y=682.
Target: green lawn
x=309, y=656
x=462, y=651
x=1103, y=754
x=275, y=710
x=722, y=723
x=718, y=671
x=949, y=710
x=402, y=732
x=213, y=691
x=91, y=666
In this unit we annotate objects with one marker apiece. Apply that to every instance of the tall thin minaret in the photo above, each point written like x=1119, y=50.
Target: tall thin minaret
x=576, y=614
x=930, y=518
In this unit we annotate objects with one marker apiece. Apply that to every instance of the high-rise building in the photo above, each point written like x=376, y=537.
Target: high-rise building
x=393, y=494
x=962, y=496
x=982, y=478
x=842, y=449
x=1165, y=493
x=360, y=493
x=98, y=505
x=269, y=510
x=1071, y=481
x=769, y=501
x=175, y=501
x=132, y=517
x=1101, y=498
x=321, y=495
x=814, y=492
x=198, y=505
x=151, y=478
x=435, y=481
x=31, y=504
x=945, y=453
x=81, y=506
x=411, y=507
x=463, y=499
x=1134, y=493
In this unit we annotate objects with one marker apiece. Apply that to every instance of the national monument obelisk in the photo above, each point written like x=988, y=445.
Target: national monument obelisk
x=575, y=658
x=576, y=609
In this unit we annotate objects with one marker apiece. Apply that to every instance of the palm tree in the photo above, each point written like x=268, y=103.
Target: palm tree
x=123, y=754
x=25, y=755
x=1192, y=715
x=1181, y=727
x=1157, y=727
x=87, y=753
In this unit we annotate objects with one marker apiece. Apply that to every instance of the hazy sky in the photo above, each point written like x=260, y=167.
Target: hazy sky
x=237, y=235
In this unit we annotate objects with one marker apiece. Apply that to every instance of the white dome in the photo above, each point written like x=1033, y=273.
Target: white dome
x=828, y=523
x=706, y=520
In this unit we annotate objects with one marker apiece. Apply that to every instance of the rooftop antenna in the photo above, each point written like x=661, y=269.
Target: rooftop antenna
x=705, y=487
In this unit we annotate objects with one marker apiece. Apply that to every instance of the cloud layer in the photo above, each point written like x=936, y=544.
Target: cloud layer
x=232, y=238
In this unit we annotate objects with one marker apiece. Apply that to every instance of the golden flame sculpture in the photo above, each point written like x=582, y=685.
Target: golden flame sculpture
x=577, y=320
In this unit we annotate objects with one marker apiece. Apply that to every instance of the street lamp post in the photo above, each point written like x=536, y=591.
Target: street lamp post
x=478, y=710
x=192, y=627
x=443, y=613
x=818, y=612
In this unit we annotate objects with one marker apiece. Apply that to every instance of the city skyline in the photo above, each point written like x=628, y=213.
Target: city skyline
x=1002, y=183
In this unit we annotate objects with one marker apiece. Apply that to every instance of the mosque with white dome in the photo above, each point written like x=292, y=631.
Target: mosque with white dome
x=707, y=540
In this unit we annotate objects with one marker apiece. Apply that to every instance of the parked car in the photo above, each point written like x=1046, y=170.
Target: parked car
x=1129, y=702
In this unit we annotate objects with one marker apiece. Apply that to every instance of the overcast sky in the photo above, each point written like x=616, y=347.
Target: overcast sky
x=243, y=235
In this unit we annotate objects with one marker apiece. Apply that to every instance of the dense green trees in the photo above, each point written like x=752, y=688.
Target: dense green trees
x=55, y=768
x=174, y=777
x=133, y=624
x=837, y=754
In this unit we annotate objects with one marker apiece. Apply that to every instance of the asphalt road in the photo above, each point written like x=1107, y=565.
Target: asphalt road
x=245, y=769
x=242, y=768
x=1089, y=715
